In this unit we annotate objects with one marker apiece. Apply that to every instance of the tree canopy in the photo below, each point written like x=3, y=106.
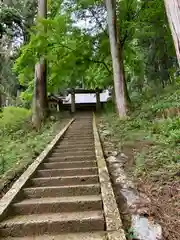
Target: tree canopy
x=76, y=44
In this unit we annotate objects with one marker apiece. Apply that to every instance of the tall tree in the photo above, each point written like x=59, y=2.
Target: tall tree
x=40, y=105
x=117, y=61
x=173, y=13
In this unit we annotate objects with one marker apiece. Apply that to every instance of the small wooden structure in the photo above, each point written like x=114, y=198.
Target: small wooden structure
x=76, y=91
x=55, y=102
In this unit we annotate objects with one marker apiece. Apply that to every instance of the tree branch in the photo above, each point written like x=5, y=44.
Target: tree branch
x=99, y=23
x=88, y=59
x=132, y=18
x=101, y=62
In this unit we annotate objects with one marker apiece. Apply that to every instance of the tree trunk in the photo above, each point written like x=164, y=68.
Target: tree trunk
x=73, y=101
x=173, y=14
x=118, y=73
x=42, y=12
x=36, y=108
x=98, y=102
x=40, y=104
x=0, y=102
x=127, y=97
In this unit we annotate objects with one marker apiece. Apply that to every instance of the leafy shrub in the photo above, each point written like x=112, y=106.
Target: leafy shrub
x=13, y=119
x=155, y=140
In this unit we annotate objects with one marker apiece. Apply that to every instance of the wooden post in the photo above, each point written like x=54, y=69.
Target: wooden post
x=98, y=103
x=73, y=101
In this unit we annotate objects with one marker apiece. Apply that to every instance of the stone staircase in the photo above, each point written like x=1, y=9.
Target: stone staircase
x=62, y=200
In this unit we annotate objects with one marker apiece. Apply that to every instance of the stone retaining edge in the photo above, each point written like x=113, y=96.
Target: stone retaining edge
x=10, y=196
x=113, y=220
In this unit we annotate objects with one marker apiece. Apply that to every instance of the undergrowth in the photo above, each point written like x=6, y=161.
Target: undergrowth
x=20, y=143
x=155, y=140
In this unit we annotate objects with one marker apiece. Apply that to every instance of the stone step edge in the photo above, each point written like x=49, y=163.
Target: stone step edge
x=111, y=212
x=49, y=200
x=65, y=177
x=63, y=187
x=66, y=169
x=99, y=235
x=69, y=162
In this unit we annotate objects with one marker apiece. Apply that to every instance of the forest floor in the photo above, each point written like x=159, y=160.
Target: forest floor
x=150, y=143
x=20, y=144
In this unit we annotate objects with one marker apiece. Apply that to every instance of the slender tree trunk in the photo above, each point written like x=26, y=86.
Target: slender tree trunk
x=73, y=101
x=42, y=12
x=0, y=102
x=98, y=102
x=127, y=97
x=173, y=14
x=36, y=109
x=118, y=72
x=40, y=104
x=121, y=57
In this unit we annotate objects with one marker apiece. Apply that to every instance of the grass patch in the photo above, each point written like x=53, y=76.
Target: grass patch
x=20, y=143
x=155, y=141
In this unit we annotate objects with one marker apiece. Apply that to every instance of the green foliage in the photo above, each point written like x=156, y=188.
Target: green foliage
x=155, y=140
x=130, y=235
x=18, y=149
x=19, y=142
x=13, y=119
x=79, y=54
x=8, y=18
x=73, y=55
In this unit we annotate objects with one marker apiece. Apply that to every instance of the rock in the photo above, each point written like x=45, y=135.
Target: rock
x=123, y=155
x=112, y=153
x=111, y=159
x=145, y=229
x=177, y=174
x=52, y=118
x=144, y=211
x=106, y=132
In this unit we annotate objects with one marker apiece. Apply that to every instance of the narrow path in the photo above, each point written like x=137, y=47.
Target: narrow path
x=62, y=199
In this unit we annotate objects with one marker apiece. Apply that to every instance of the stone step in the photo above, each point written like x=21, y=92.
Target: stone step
x=54, y=223
x=74, y=164
x=55, y=205
x=68, y=236
x=72, y=153
x=73, y=149
x=65, y=180
x=78, y=142
x=66, y=172
x=79, y=136
x=87, y=126
x=74, y=146
x=79, y=132
x=79, y=129
x=79, y=139
x=71, y=158
x=61, y=191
